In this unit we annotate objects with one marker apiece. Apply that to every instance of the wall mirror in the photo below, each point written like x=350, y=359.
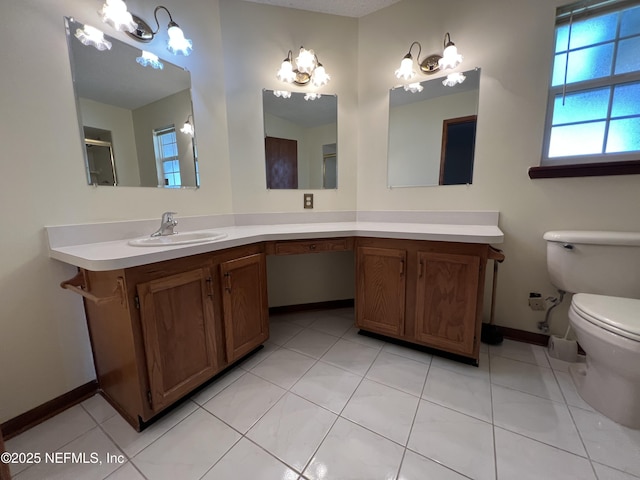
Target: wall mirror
x=432, y=133
x=131, y=116
x=300, y=141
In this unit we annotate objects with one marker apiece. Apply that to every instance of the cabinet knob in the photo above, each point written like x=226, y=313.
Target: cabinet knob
x=312, y=246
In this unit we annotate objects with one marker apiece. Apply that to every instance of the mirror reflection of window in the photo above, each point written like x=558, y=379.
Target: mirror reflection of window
x=166, y=149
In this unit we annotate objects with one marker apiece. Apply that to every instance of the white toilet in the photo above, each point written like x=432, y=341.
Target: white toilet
x=603, y=270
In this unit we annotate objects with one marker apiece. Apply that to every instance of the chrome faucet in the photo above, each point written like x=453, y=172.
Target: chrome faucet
x=167, y=225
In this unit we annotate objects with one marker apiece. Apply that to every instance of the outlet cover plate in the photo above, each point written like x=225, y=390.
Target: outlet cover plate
x=308, y=200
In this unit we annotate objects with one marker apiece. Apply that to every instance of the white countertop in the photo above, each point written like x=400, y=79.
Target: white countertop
x=117, y=254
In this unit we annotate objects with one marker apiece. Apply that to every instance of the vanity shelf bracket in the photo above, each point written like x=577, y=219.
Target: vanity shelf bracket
x=78, y=284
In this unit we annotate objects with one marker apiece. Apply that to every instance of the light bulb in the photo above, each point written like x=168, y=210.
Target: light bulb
x=177, y=43
x=286, y=73
x=114, y=12
x=320, y=77
x=406, y=71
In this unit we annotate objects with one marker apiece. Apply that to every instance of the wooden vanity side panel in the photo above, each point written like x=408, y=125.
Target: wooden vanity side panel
x=120, y=374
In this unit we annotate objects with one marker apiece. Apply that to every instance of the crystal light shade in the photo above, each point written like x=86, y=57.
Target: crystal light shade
x=177, y=43
x=92, y=36
x=114, y=12
x=148, y=59
x=406, y=71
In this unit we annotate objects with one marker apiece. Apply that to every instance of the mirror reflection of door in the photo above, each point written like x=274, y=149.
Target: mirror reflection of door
x=100, y=159
x=281, y=163
x=458, y=144
x=330, y=166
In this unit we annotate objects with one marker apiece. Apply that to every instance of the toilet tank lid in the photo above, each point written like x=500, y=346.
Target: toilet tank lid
x=593, y=237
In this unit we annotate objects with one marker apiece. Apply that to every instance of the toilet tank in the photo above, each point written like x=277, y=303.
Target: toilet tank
x=600, y=262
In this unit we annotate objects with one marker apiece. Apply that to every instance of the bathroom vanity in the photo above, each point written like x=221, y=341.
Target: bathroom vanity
x=165, y=320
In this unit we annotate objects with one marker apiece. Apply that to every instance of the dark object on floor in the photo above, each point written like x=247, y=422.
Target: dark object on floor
x=491, y=334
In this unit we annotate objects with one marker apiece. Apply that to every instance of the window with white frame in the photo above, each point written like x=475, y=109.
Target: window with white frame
x=593, y=112
x=166, y=149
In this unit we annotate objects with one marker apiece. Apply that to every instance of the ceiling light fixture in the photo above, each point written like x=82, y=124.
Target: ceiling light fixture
x=148, y=59
x=177, y=43
x=89, y=35
x=308, y=69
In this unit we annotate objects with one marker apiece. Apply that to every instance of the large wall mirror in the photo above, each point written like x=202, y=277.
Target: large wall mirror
x=432, y=133
x=300, y=140
x=131, y=116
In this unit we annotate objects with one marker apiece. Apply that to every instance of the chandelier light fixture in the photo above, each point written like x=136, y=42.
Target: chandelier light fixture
x=308, y=69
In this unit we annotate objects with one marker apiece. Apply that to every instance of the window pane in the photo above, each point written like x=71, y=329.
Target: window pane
x=624, y=135
x=572, y=140
x=594, y=62
x=169, y=150
x=628, y=57
x=562, y=37
x=581, y=107
x=630, y=24
x=626, y=100
x=593, y=30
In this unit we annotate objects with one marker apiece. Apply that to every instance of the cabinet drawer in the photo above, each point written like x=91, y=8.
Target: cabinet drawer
x=312, y=246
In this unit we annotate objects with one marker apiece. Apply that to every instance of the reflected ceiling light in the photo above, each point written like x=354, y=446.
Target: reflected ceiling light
x=282, y=93
x=414, y=87
x=177, y=43
x=148, y=59
x=307, y=69
x=450, y=57
x=188, y=127
x=312, y=96
x=115, y=13
x=92, y=36
x=453, y=79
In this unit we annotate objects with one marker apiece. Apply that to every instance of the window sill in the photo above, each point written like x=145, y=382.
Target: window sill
x=586, y=170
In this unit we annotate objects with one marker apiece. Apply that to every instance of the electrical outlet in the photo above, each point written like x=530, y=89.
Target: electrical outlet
x=536, y=302
x=308, y=200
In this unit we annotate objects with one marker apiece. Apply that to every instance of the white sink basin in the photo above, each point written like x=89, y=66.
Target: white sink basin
x=177, y=239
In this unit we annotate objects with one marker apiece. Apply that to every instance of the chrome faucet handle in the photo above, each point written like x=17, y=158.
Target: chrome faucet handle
x=168, y=217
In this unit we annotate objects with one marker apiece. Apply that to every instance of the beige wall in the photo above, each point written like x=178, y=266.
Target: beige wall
x=512, y=42
x=43, y=338
x=44, y=347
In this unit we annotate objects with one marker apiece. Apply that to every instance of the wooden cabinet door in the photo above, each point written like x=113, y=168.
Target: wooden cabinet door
x=178, y=328
x=446, y=296
x=245, y=311
x=381, y=285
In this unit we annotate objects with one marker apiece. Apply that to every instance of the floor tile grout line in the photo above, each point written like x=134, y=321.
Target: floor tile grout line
x=493, y=419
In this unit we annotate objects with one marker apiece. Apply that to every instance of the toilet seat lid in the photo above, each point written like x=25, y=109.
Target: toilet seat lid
x=615, y=314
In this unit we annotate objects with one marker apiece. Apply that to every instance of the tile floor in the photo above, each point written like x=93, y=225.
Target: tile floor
x=321, y=402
